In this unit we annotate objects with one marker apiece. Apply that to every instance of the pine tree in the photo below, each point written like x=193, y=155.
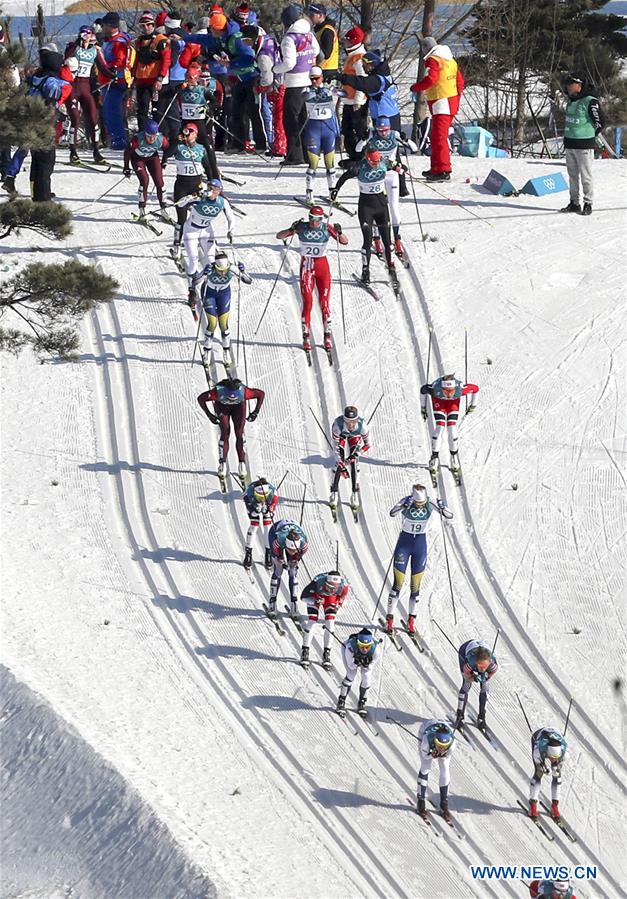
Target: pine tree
x=48, y=219
x=24, y=121
x=48, y=302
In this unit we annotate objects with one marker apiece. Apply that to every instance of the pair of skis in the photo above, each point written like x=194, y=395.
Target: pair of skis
x=327, y=349
x=393, y=635
x=355, y=509
x=434, y=471
x=326, y=200
x=274, y=618
x=559, y=822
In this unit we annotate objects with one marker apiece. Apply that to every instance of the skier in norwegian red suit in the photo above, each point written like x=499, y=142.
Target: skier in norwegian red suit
x=313, y=237
x=446, y=394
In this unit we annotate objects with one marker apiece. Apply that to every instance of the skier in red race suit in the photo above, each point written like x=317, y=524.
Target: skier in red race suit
x=551, y=889
x=313, y=237
x=229, y=397
x=443, y=83
x=446, y=394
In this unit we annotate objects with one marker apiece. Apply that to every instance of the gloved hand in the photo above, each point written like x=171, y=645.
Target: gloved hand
x=424, y=413
x=213, y=418
x=295, y=224
x=333, y=194
x=470, y=409
x=126, y=172
x=338, y=230
x=241, y=266
x=229, y=236
x=598, y=143
x=253, y=415
x=441, y=504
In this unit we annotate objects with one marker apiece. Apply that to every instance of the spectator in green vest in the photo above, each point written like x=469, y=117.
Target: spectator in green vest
x=584, y=121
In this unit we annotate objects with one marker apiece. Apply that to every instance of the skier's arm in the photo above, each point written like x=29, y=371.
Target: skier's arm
x=367, y=84
x=289, y=232
x=425, y=391
x=309, y=591
x=461, y=84
x=336, y=232
x=241, y=274
x=397, y=508
x=229, y=215
x=441, y=507
x=365, y=441
x=255, y=393
x=470, y=390
x=209, y=396
x=288, y=54
x=596, y=115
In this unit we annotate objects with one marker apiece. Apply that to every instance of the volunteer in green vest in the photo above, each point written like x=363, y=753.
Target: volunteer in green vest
x=584, y=121
x=326, y=35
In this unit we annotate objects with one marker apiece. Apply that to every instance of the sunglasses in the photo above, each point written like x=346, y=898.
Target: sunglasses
x=186, y=132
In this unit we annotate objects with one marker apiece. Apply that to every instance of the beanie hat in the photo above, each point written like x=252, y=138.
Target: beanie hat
x=217, y=21
x=373, y=57
x=354, y=37
x=112, y=19
x=146, y=18
x=317, y=8
x=241, y=13
x=290, y=14
x=428, y=44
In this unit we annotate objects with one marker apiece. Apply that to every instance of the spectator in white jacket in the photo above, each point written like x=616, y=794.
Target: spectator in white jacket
x=299, y=51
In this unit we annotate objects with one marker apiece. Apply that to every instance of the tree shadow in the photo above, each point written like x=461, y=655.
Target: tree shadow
x=278, y=703
x=347, y=799
x=217, y=611
x=221, y=651
x=462, y=804
x=174, y=555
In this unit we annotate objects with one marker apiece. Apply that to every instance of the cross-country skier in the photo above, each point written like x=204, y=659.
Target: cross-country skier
x=321, y=131
x=216, y=300
x=350, y=439
x=446, y=393
x=326, y=594
x=229, y=398
x=436, y=741
x=86, y=51
x=261, y=499
x=551, y=889
x=372, y=208
x=548, y=750
x=388, y=143
x=193, y=164
x=199, y=238
x=313, y=236
x=196, y=99
x=143, y=154
x=417, y=511
x=361, y=653
x=288, y=545
x=478, y=665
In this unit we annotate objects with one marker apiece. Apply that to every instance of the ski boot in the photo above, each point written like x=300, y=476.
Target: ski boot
x=222, y=469
x=74, y=157
x=242, y=469
x=422, y=807
x=250, y=146
x=555, y=810
x=175, y=251
x=267, y=562
x=365, y=274
x=434, y=468
x=294, y=607
x=378, y=247
x=341, y=706
x=309, y=200
x=398, y=249
x=444, y=808
x=333, y=499
x=572, y=207
x=306, y=340
x=248, y=557
x=141, y=209
x=326, y=659
x=459, y=721
x=191, y=299
x=99, y=158
x=455, y=466
x=304, y=657
x=587, y=209
x=389, y=624
x=328, y=343
x=533, y=808
x=411, y=625
x=9, y=185
x=437, y=176
x=393, y=276
x=481, y=721
x=272, y=606
x=361, y=705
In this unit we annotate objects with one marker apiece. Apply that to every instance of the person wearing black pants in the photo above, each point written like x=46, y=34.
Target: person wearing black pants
x=246, y=114
x=372, y=209
x=41, y=169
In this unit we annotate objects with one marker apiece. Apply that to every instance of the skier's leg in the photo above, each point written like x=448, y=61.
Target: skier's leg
x=322, y=274
x=139, y=166
x=253, y=525
x=418, y=563
x=393, y=189
x=401, y=560
x=382, y=218
x=329, y=625
x=451, y=427
x=306, y=290
x=153, y=164
x=275, y=580
x=225, y=435
x=423, y=775
x=535, y=783
x=312, y=618
x=239, y=420
x=209, y=303
x=224, y=311
x=436, y=437
x=366, y=219
x=191, y=241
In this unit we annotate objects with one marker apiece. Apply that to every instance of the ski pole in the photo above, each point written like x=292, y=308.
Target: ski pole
x=239, y=308
x=429, y=352
x=333, y=634
x=302, y=506
x=466, y=362
x=102, y=196
x=337, y=555
x=570, y=705
x=498, y=631
x=322, y=429
x=196, y=340
x=281, y=481
x=168, y=107
x=413, y=190
x=522, y=709
x=444, y=634
x=339, y=276
x=230, y=133
x=375, y=408
x=245, y=366
x=234, y=181
x=402, y=726
x=287, y=247
x=448, y=569
x=383, y=586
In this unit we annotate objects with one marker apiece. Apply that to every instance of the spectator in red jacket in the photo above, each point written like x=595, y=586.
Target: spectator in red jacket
x=443, y=83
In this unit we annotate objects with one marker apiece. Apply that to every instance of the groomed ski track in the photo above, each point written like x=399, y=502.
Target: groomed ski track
x=342, y=793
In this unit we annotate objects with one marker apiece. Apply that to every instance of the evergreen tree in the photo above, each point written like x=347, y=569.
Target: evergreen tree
x=517, y=43
x=24, y=121
x=48, y=302
x=48, y=219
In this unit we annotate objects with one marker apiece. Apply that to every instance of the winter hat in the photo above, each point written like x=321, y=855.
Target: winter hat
x=85, y=29
x=354, y=37
x=161, y=19
x=241, y=12
x=112, y=19
x=317, y=8
x=173, y=20
x=291, y=14
x=50, y=58
x=218, y=21
x=373, y=57
x=204, y=23
x=250, y=32
x=315, y=72
x=147, y=18
x=428, y=44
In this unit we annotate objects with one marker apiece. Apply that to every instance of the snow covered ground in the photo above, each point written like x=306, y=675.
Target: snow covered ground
x=111, y=513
